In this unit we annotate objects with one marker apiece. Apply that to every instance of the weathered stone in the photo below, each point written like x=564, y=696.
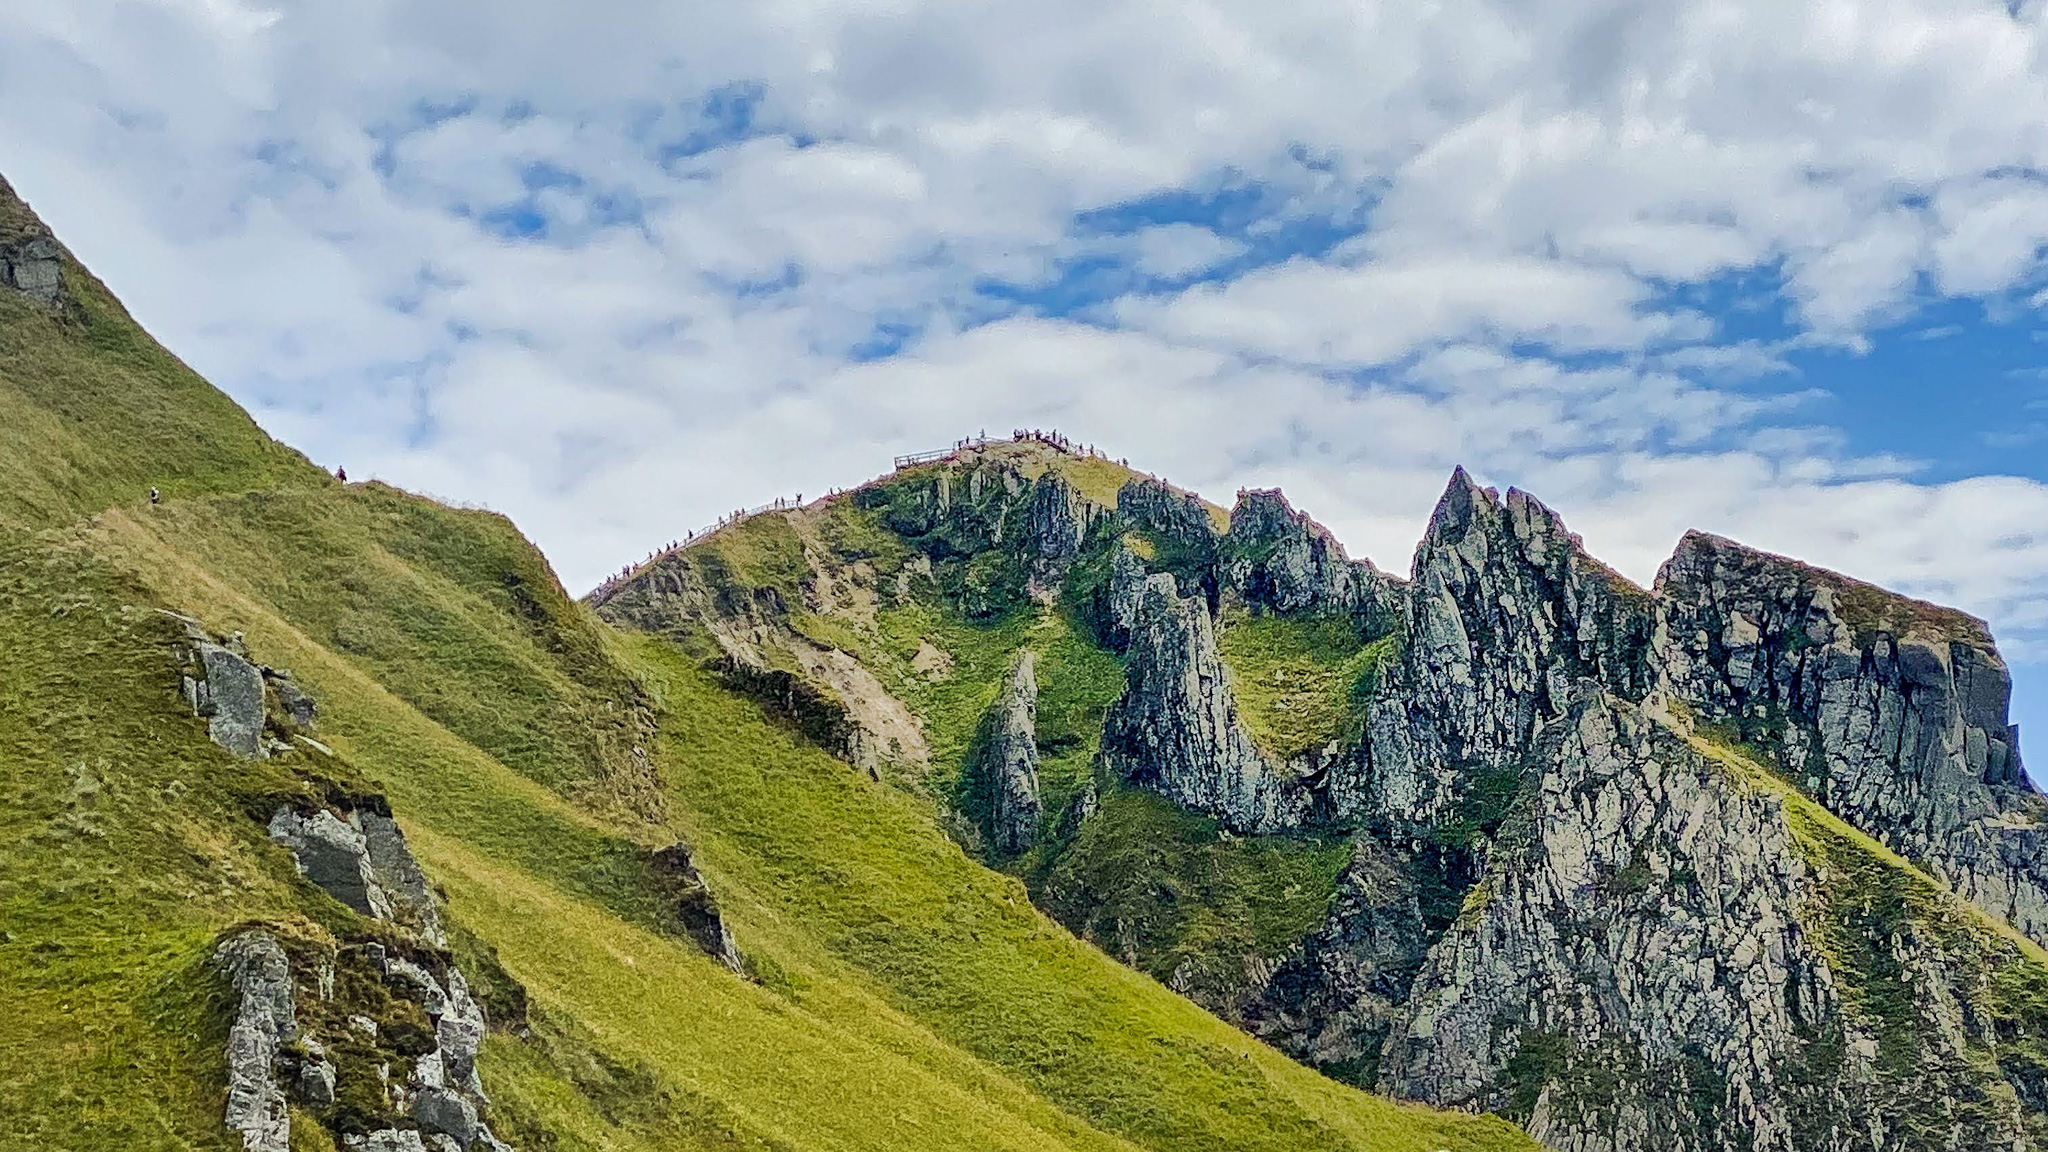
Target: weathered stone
x=1649, y=937
x=386, y=1140
x=444, y=1111
x=33, y=267
x=335, y=856
x=1007, y=761
x=1176, y=727
x=314, y=1083
x=693, y=906
x=398, y=876
x=1890, y=711
x=299, y=708
x=1331, y=1002
x=1279, y=559
x=264, y=1022
x=234, y=699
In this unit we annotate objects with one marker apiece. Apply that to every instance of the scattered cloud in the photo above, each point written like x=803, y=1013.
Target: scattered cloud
x=617, y=276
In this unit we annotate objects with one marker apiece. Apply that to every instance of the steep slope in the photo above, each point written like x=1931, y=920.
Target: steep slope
x=213, y=933
x=1630, y=867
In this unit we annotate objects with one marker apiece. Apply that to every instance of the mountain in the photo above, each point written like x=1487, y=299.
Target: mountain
x=329, y=820
x=1016, y=799
x=1744, y=860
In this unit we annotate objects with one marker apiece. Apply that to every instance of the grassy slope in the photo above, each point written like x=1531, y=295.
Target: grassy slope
x=93, y=413
x=910, y=998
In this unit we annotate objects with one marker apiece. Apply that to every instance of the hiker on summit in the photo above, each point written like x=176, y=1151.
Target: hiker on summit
x=341, y=474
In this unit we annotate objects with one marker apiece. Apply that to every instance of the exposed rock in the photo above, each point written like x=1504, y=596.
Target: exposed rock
x=1054, y=523
x=1330, y=1003
x=1281, y=560
x=34, y=268
x=398, y=875
x=446, y=1112
x=1642, y=967
x=1007, y=761
x=1505, y=612
x=386, y=1140
x=232, y=696
x=1176, y=726
x=1890, y=711
x=1175, y=515
x=299, y=710
x=335, y=856
x=31, y=262
x=314, y=1083
x=264, y=1022
x=693, y=906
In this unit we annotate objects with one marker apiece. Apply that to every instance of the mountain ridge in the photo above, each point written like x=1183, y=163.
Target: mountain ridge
x=1299, y=700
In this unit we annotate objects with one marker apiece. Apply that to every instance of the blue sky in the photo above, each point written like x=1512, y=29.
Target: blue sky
x=1772, y=269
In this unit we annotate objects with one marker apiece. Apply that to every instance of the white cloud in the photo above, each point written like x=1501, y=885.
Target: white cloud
x=296, y=198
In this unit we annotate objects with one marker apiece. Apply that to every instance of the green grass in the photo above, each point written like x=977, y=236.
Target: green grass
x=93, y=413
x=1299, y=681
x=911, y=998
x=1166, y=889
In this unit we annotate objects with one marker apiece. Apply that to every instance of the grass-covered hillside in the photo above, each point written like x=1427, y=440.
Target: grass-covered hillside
x=898, y=993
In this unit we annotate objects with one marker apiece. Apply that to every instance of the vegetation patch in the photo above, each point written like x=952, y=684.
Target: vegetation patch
x=1169, y=891
x=1301, y=683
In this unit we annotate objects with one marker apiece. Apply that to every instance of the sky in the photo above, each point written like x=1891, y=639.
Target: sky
x=1769, y=268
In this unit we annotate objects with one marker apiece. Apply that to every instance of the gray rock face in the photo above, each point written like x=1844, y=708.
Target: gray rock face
x=693, y=906
x=1638, y=969
x=265, y=1020
x=1281, y=560
x=335, y=856
x=1055, y=519
x=1167, y=511
x=1891, y=712
x=1007, y=762
x=298, y=707
x=362, y=861
x=34, y=267
x=439, y=1110
x=232, y=697
x=1176, y=727
x=1330, y=1003
x=398, y=875
x=1504, y=613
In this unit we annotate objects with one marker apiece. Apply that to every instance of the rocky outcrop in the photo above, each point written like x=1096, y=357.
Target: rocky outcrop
x=264, y=1022
x=1505, y=611
x=1169, y=513
x=1055, y=523
x=1005, y=766
x=31, y=262
x=249, y=707
x=361, y=859
x=1176, y=727
x=1892, y=712
x=1651, y=962
x=1279, y=560
x=1331, y=1002
x=33, y=267
x=692, y=907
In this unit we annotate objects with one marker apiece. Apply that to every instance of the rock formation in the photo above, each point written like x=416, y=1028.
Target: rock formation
x=31, y=262
x=693, y=908
x=265, y=1020
x=1177, y=729
x=1006, y=765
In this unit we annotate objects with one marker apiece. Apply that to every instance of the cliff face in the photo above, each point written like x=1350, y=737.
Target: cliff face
x=1744, y=860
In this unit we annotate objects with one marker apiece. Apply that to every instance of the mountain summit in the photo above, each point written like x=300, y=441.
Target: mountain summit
x=1747, y=859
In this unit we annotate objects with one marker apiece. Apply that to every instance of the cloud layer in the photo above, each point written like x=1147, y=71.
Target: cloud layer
x=615, y=275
